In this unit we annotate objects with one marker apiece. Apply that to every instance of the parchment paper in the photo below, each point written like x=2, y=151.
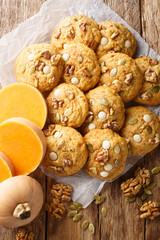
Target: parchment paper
x=39, y=29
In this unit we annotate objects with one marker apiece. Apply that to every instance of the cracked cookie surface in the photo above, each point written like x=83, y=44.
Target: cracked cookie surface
x=66, y=150
x=141, y=130
x=107, y=154
x=120, y=72
x=39, y=65
x=67, y=105
x=149, y=94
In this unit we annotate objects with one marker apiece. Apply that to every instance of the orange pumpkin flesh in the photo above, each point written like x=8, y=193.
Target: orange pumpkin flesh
x=23, y=100
x=24, y=143
x=6, y=167
x=15, y=191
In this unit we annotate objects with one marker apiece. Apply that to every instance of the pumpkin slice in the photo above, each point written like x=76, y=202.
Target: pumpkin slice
x=24, y=143
x=6, y=167
x=22, y=100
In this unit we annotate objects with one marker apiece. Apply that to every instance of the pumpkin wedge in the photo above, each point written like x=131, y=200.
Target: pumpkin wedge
x=6, y=167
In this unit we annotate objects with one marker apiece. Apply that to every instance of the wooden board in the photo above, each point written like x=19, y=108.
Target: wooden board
x=122, y=221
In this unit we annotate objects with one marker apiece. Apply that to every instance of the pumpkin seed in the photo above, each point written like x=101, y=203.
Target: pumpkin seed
x=149, y=129
x=90, y=147
x=97, y=202
x=104, y=211
x=72, y=207
x=32, y=69
x=72, y=213
x=78, y=205
x=96, y=197
x=117, y=149
x=147, y=191
x=85, y=225
x=121, y=93
x=144, y=196
x=156, y=89
x=151, y=186
x=130, y=199
x=77, y=217
x=139, y=201
x=103, y=101
x=155, y=170
x=116, y=163
x=133, y=121
x=91, y=228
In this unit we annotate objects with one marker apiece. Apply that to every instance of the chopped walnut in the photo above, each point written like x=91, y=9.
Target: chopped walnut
x=82, y=26
x=86, y=73
x=143, y=176
x=150, y=76
x=100, y=27
x=150, y=210
x=55, y=59
x=153, y=62
x=102, y=156
x=46, y=54
x=58, y=169
x=128, y=79
x=71, y=33
x=155, y=139
x=64, y=119
x=69, y=70
x=109, y=124
x=57, y=103
x=39, y=65
x=67, y=162
x=49, y=131
x=111, y=111
x=89, y=117
x=24, y=234
x=131, y=187
x=57, y=34
x=146, y=96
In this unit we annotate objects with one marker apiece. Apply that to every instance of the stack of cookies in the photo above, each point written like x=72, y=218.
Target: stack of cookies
x=86, y=74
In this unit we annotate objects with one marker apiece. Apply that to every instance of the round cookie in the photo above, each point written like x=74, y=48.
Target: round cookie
x=39, y=65
x=81, y=66
x=106, y=110
x=141, y=130
x=107, y=154
x=115, y=38
x=76, y=29
x=66, y=150
x=67, y=105
x=120, y=72
x=149, y=94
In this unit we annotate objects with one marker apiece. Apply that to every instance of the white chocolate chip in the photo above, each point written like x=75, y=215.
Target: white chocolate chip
x=117, y=149
x=53, y=156
x=91, y=126
x=57, y=92
x=103, y=101
x=117, y=84
x=127, y=44
x=137, y=138
x=65, y=56
x=65, y=45
x=121, y=62
x=102, y=115
x=147, y=118
x=31, y=56
x=47, y=69
x=106, y=144
x=108, y=167
x=66, y=24
x=68, y=112
x=113, y=72
x=57, y=134
x=104, y=174
x=104, y=41
x=74, y=81
x=91, y=102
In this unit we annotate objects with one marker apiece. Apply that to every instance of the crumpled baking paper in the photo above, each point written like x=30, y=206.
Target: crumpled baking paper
x=39, y=29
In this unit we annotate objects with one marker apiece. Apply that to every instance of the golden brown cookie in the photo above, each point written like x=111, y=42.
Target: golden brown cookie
x=67, y=105
x=66, y=150
x=81, y=66
x=76, y=29
x=120, y=72
x=107, y=154
x=141, y=130
x=149, y=94
x=115, y=38
x=106, y=110
x=39, y=65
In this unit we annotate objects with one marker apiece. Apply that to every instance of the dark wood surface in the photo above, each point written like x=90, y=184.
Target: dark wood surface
x=122, y=221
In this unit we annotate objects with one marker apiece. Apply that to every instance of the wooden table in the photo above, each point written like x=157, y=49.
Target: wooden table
x=122, y=221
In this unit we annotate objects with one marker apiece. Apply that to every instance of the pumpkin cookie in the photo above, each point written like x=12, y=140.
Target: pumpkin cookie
x=81, y=66
x=115, y=38
x=67, y=106
x=149, y=94
x=106, y=110
x=121, y=73
x=76, y=29
x=141, y=130
x=39, y=65
x=107, y=154
x=66, y=152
